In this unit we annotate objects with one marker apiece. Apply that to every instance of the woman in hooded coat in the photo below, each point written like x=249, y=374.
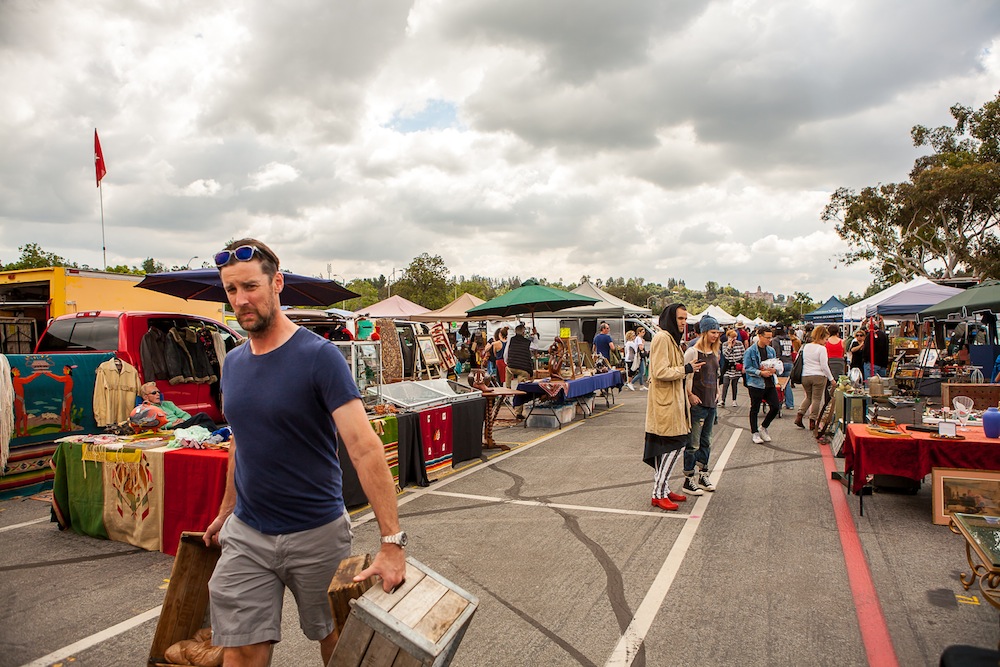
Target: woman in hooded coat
x=668, y=415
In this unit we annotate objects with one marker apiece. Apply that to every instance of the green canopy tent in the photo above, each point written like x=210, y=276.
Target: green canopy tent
x=532, y=298
x=984, y=297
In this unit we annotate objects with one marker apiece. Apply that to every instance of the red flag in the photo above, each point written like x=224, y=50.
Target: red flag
x=98, y=159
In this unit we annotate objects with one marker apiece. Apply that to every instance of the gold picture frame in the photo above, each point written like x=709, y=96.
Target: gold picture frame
x=428, y=350
x=964, y=490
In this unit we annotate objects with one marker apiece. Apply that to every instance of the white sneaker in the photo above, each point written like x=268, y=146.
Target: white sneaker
x=628, y=385
x=757, y=439
x=644, y=388
x=763, y=434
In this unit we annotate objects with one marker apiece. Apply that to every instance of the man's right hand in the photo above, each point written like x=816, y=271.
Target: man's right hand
x=212, y=532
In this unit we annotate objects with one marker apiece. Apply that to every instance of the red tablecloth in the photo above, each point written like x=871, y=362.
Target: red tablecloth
x=871, y=454
x=194, y=481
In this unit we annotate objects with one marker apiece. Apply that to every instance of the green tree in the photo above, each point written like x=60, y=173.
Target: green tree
x=944, y=220
x=367, y=290
x=33, y=257
x=425, y=281
x=711, y=290
x=126, y=269
x=150, y=265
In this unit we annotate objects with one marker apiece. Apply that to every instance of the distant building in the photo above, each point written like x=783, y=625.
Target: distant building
x=766, y=297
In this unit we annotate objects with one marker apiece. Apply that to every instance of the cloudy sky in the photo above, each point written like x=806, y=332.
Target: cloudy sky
x=694, y=140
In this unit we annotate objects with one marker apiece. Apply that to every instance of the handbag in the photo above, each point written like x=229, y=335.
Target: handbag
x=795, y=377
x=739, y=366
x=635, y=363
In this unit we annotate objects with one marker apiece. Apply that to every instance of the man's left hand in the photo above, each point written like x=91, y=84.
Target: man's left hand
x=390, y=564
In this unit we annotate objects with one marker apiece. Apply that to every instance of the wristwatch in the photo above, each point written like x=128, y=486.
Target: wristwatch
x=399, y=539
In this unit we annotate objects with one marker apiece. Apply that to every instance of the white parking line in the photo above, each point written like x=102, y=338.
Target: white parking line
x=94, y=639
x=538, y=503
x=22, y=525
x=420, y=493
x=628, y=646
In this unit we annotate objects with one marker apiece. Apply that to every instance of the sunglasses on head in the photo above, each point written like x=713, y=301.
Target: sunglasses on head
x=243, y=254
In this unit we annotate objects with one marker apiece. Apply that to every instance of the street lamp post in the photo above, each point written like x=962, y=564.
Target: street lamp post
x=191, y=260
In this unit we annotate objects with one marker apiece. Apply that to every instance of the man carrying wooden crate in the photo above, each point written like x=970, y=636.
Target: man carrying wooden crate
x=282, y=522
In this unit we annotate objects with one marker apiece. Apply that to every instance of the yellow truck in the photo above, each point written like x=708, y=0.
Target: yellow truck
x=29, y=298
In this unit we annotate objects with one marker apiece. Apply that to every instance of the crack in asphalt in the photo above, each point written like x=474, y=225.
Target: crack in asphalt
x=615, y=584
x=68, y=561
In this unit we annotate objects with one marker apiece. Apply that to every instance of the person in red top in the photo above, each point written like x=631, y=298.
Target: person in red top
x=835, y=351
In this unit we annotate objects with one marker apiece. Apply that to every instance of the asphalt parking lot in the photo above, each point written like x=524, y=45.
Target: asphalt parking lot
x=572, y=566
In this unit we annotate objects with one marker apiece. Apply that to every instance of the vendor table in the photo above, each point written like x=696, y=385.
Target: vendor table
x=143, y=497
x=914, y=454
x=495, y=397
x=572, y=389
x=148, y=497
x=400, y=435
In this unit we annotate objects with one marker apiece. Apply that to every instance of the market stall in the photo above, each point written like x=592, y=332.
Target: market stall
x=140, y=490
x=550, y=395
x=868, y=451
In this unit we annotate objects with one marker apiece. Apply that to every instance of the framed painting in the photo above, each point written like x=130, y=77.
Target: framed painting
x=428, y=350
x=961, y=490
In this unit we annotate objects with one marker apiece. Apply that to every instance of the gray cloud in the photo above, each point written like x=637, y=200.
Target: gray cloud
x=638, y=139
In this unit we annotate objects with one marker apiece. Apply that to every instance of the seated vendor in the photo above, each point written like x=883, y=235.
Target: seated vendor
x=176, y=418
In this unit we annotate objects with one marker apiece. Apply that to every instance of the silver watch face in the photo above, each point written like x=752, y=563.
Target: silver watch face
x=399, y=538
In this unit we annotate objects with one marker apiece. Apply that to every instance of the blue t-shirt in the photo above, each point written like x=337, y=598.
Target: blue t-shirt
x=602, y=343
x=279, y=405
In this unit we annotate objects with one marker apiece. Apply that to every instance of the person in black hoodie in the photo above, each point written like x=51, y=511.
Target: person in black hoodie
x=668, y=417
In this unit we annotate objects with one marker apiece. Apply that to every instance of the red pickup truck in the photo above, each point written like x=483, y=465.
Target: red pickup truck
x=122, y=332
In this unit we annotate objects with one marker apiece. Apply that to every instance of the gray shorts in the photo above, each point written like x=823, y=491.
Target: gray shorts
x=247, y=588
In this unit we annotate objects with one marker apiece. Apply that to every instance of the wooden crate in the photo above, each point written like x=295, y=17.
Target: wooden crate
x=421, y=623
x=983, y=395
x=343, y=589
x=185, y=606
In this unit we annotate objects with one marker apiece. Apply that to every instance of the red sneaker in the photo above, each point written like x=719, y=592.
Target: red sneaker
x=664, y=504
x=677, y=497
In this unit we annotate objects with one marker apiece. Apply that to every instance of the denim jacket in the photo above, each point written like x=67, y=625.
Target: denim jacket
x=751, y=365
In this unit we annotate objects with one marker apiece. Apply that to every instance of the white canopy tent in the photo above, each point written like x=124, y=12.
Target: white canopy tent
x=718, y=313
x=859, y=311
x=582, y=321
x=608, y=305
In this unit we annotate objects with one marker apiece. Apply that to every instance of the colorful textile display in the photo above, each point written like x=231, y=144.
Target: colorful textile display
x=44, y=403
x=387, y=430
x=194, y=481
x=443, y=345
x=142, y=497
x=436, y=438
x=28, y=470
x=392, y=353
x=115, y=390
x=133, y=493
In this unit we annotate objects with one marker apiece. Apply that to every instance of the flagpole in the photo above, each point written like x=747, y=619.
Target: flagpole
x=100, y=171
x=104, y=245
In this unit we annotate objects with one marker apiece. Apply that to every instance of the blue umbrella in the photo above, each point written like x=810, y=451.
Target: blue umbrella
x=205, y=285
